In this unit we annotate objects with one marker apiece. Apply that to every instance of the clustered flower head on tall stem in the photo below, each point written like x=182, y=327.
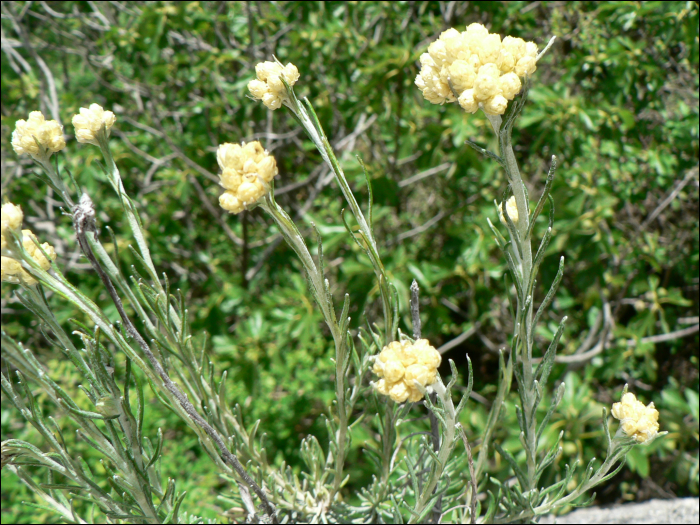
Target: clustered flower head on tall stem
x=636, y=420
x=12, y=270
x=268, y=85
x=246, y=173
x=38, y=137
x=476, y=69
x=402, y=364
x=90, y=121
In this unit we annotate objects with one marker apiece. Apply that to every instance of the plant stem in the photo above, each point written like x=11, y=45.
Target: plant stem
x=324, y=300
x=524, y=313
x=443, y=454
x=84, y=223
x=318, y=137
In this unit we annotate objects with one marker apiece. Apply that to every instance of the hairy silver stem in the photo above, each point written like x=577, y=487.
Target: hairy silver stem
x=84, y=223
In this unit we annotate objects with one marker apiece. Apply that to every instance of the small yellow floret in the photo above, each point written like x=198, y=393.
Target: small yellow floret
x=637, y=421
x=246, y=173
x=89, y=122
x=509, y=85
x=38, y=137
x=268, y=85
x=402, y=364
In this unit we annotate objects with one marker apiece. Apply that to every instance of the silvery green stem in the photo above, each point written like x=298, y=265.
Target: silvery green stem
x=133, y=219
x=504, y=384
x=84, y=224
x=446, y=447
x=308, y=119
x=83, y=217
x=524, y=315
x=55, y=181
x=590, y=480
x=131, y=466
x=52, y=178
x=116, y=276
x=324, y=299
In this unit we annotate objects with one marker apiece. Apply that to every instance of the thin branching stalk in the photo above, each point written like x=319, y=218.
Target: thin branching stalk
x=84, y=223
x=324, y=299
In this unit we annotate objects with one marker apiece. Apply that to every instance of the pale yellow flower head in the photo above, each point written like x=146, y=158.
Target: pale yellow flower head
x=636, y=420
x=402, y=364
x=90, y=121
x=12, y=270
x=512, y=209
x=38, y=137
x=477, y=63
x=12, y=217
x=268, y=85
x=246, y=173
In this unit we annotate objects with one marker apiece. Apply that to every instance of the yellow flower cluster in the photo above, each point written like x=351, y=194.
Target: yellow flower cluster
x=401, y=364
x=37, y=136
x=246, y=172
x=476, y=69
x=90, y=121
x=512, y=210
x=638, y=421
x=269, y=87
x=12, y=218
x=12, y=270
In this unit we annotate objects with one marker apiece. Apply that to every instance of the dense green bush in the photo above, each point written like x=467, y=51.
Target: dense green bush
x=616, y=100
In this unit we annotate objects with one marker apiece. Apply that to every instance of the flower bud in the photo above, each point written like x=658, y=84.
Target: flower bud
x=515, y=46
x=246, y=171
x=510, y=85
x=267, y=169
x=257, y=88
x=462, y=75
x=12, y=217
x=250, y=190
x=399, y=392
x=230, y=202
x=496, y=105
x=485, y=87
x=401, y=365
x=467, y=102
x=456, y=47
x=475, y=29
x=505, y=61
x=636, y=420
x=230, y=155
x=268, y=87
x=490, y=48
x=90, y=121
x=531, y=50
x=526, y=66
x=37, y=137
x=12, y=270
x=231, y=179
x=511, y=209
x=438, y=52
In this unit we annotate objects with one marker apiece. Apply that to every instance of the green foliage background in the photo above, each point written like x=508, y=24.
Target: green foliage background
x=616, y=100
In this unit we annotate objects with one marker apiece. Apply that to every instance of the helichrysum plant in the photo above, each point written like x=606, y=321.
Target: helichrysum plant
x=419, y=476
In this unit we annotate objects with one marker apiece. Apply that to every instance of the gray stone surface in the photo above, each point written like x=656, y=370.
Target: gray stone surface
x=680, y=510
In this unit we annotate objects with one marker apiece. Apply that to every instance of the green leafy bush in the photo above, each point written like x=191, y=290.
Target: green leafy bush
x=615, y=100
